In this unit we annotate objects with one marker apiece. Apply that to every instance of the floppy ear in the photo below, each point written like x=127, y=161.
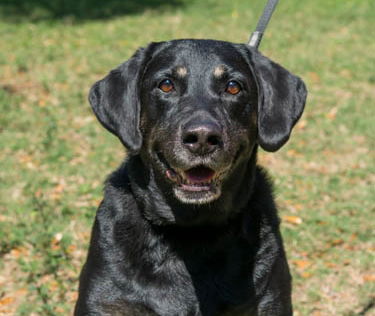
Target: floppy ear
x=116, y=103
x=281, y=100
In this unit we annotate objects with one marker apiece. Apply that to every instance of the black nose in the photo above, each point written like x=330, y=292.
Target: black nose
x=202, y=138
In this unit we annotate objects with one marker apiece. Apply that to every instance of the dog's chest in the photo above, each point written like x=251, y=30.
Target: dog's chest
x=206, y=280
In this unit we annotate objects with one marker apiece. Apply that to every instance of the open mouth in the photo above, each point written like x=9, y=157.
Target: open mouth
x=196, y=185
x=196, y=179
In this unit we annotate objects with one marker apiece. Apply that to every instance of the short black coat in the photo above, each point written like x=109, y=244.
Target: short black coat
x=153, y=254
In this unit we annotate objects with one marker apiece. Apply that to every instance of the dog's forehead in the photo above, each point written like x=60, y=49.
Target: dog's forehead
x=187, y=56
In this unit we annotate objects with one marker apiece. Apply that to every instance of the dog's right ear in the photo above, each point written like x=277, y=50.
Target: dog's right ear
x=281, y=100
x=115, y=99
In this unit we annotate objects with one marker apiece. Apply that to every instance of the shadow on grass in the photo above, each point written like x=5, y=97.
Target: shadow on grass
x=77, y=10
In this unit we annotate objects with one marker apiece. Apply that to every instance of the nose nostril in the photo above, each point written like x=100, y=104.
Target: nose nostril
x=190, y=139
x=213, y=140
x=201, y=139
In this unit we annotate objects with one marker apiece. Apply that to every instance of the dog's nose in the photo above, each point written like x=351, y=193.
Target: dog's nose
x=202, y=138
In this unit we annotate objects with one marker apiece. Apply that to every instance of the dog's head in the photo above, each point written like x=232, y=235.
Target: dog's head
x=194, y=110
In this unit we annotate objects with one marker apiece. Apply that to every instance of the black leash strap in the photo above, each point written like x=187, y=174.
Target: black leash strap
x=257, y=35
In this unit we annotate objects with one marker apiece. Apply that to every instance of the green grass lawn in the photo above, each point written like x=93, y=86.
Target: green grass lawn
x=54, y=154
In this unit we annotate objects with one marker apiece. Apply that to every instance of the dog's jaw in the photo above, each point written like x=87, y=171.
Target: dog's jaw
x=197, y=197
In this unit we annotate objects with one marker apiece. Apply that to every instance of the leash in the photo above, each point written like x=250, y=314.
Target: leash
x=257, y=35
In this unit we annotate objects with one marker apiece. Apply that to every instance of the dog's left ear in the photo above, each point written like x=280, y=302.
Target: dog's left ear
x=281, y=100
x=115, y=99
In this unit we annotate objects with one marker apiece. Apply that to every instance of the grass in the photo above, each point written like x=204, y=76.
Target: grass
x=54, y=154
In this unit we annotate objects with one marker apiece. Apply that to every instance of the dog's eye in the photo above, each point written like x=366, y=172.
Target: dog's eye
x=166, y=85
x=233, y=87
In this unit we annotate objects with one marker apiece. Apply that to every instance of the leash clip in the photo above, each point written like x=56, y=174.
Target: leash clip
x=255, y=39
x=257, y=35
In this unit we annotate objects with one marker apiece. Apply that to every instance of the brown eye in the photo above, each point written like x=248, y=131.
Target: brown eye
x=233, y=87
x=166, y=85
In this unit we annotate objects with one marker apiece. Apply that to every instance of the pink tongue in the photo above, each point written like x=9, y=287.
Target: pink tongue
x=199, y=174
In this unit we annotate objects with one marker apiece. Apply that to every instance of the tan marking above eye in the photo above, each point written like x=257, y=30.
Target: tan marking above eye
x=219, y=71
x=181, y=71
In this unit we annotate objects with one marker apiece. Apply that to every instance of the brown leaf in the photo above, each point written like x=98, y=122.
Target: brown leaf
x=6, y=300
x=331, y=265
x=337, y=242
x=302, y=264
x=19, y=252
x=292, y=219
x=353, y=236
x=369, y=278
x=301, y=124
x=293, y=153
x=332, y=113
x=58, y=190
x=72, y=296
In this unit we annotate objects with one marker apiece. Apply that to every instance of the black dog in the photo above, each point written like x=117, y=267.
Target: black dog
x=188, y=224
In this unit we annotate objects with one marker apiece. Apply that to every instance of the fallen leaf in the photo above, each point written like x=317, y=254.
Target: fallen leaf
x=302, y=264
x=353, y=236
x=369, y=278
x=301, y=124
x=59, y=310
x=58, y=190
x=332, y=113
x=349, y=247
x=292, y=219
x=293, y=153
x=6, y=300
x=331, y=265
x=42, y=103
x=337, y=242
x=72, y=296
x=19, y=252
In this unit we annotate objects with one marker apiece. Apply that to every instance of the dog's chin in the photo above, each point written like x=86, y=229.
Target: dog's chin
x=197, y=195
x=195, y=184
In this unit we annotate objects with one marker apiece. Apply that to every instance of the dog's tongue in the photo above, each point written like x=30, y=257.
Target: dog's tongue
x=199, y=174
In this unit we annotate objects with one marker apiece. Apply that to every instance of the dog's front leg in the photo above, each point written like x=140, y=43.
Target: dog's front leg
x=276, y=299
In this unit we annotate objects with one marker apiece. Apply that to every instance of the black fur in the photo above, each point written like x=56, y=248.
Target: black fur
x=160, y=246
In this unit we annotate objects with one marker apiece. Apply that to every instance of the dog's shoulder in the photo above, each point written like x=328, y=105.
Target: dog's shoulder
x=117, y=184
x=118, y=198
x=262, y=202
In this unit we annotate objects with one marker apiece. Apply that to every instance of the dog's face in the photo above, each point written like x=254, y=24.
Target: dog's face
x=194, y=109
x=198, y=116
